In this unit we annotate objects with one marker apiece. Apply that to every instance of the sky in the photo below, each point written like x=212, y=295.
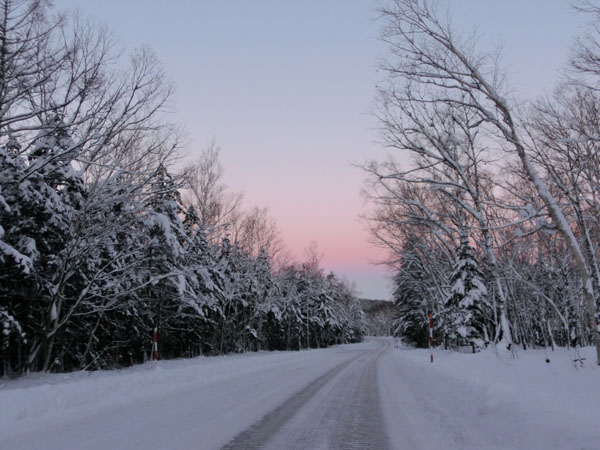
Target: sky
x=285, y=88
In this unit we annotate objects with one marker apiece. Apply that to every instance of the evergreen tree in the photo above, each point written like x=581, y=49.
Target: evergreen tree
x=206, y=282
x=17, y=256
x=266, y=319
x=291, y=308
x=465, y=318
x=167, y=287
x=411, y=295
x=57, y=280
x=41, y=200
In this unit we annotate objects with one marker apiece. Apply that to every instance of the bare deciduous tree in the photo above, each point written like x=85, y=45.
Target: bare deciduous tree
x=434, y=68
x=218, y=209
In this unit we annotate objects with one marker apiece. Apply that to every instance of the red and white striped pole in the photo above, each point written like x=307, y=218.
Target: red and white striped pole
x=155, y=343
x=431, y=335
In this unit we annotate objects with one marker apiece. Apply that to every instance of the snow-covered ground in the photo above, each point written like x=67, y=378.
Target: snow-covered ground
x=482, y=401
x=461, y=401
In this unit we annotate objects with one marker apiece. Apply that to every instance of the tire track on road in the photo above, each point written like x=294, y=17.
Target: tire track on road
x=339, y=410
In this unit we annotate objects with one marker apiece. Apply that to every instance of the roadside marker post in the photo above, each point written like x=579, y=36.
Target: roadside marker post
x=155, y=343
x=431, y=335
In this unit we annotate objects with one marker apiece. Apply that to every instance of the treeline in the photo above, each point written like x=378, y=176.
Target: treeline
x=380, y=316
x=97, y=247
x=493, y=226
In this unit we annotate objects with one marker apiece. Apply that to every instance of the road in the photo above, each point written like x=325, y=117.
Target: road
x=318, y=399
x=339, y=410
x=367, y=396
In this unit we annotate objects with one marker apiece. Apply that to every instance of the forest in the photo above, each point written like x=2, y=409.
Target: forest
x=488, y=206
x=105, y=235
x=493, y=226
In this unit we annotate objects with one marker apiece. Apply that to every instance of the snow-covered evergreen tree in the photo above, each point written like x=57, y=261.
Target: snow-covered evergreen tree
x=416, y=293
x=465, y=310
x=168, y=289
x=17, y=254
x=206, y=282
x=266, y=312
x=41, y=199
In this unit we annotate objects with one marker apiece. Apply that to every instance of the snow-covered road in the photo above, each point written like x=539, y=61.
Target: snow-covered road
x=339, y=410
x=198, y=404
x=359, y=396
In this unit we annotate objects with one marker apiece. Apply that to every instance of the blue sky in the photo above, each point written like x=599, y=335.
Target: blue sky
x=285, y=88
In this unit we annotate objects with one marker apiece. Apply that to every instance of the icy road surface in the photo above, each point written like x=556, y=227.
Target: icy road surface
x=359, y=396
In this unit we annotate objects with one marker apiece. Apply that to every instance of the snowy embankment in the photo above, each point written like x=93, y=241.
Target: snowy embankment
x=483, y=401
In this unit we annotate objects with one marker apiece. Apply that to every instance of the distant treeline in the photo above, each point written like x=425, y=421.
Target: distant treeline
x=380, y=315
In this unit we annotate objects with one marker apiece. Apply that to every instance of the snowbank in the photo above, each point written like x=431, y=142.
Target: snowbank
x=482, y=401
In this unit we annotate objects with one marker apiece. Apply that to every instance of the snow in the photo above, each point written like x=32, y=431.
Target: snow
x=217, y=397
x=580, y=140
x=163, y=222
x=461, y=401
x=589, y=287
x=53, y=312
x=25, y=262
x=459, y=287
x=480, y=401
x=30, y=246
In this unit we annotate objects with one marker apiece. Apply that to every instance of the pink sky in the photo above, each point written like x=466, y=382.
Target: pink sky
x=285, y=88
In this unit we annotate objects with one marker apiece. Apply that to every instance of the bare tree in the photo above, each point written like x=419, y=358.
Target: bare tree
x=449, y=71
x=219, y=210
x=257, y=232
